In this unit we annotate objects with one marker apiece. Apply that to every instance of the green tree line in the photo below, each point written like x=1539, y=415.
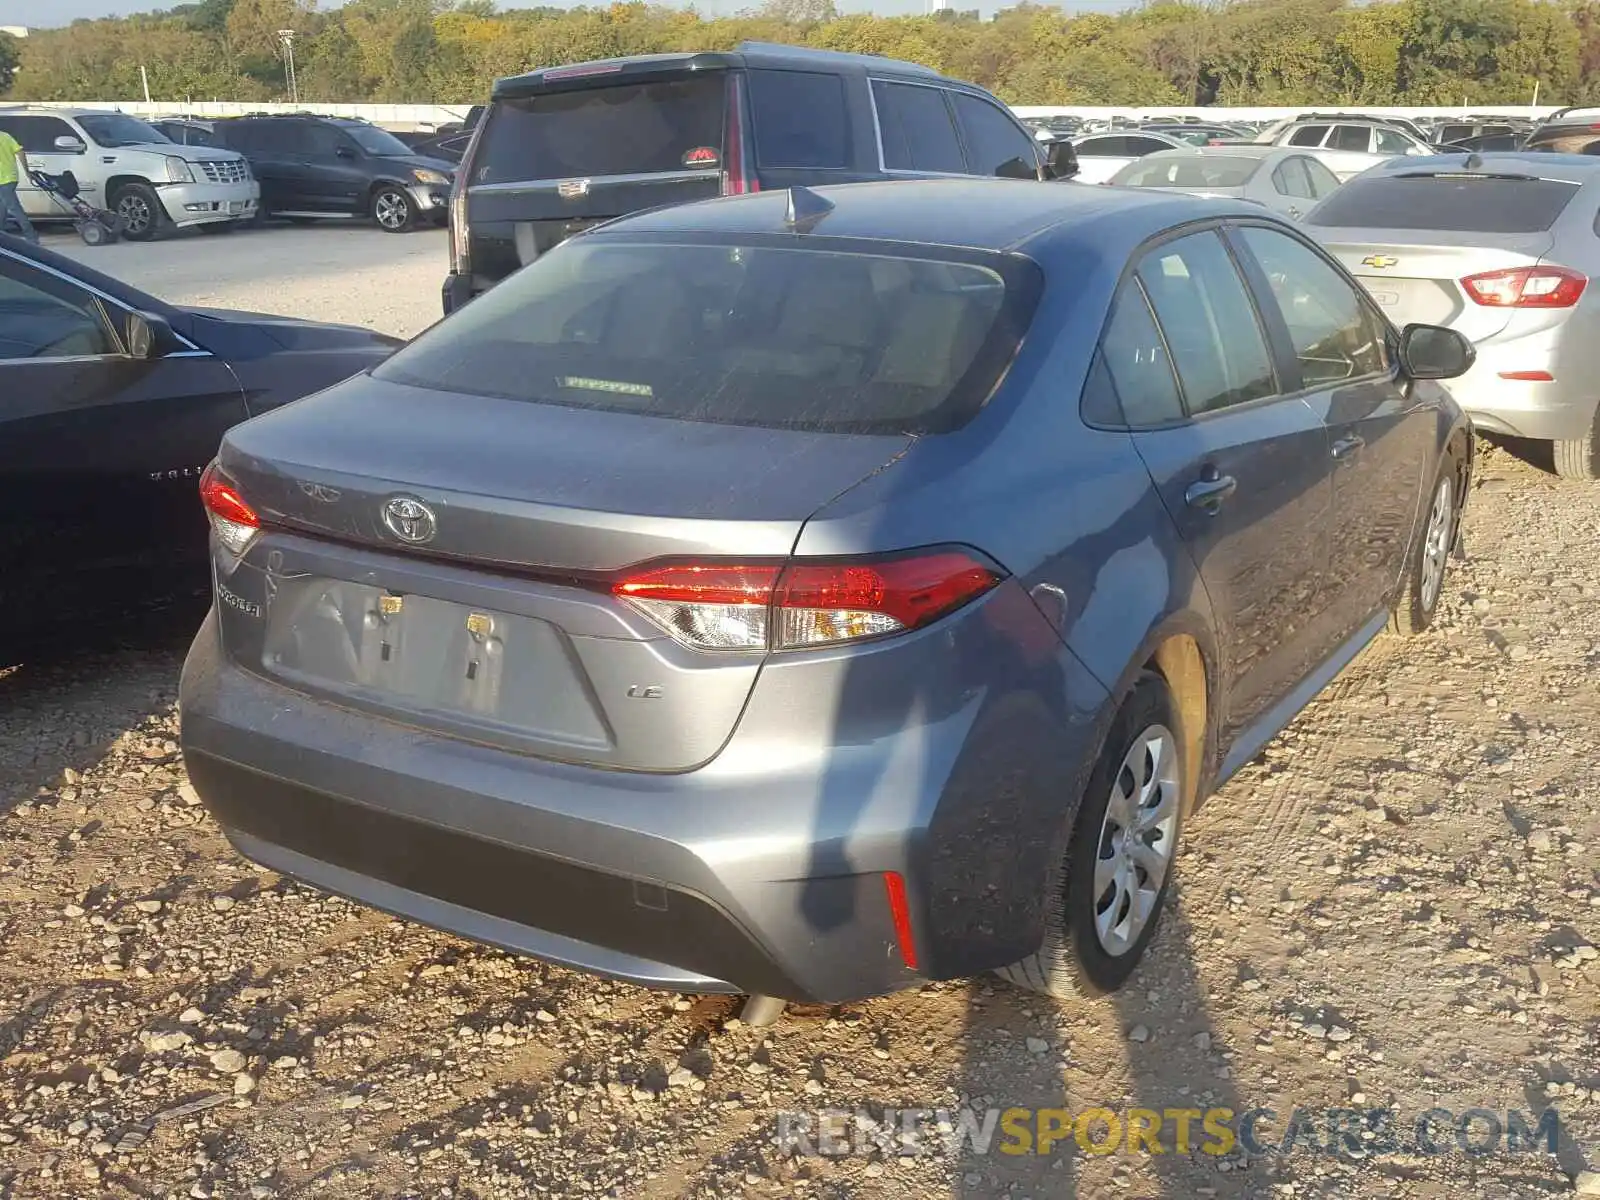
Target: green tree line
x=1269, y=52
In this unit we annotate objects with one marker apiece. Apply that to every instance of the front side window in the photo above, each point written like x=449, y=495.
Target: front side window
x=41, y=319
x=1289, y=179
x=754, y=333
x=996, y=145
x=37, y=135
x=1209, y=323
x=1336, y=336
x=321, y=141
x=1323, y=181
x=378, y=142
x=800, y=119
x=917, y=131
x=1390, y=142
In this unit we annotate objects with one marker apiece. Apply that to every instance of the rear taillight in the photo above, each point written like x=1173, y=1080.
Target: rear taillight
x=790, y=606
x=1526, y=287
x=736, y=176
x=233, y=521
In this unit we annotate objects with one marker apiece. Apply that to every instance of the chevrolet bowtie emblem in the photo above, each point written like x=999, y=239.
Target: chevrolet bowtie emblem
x=1380, y=261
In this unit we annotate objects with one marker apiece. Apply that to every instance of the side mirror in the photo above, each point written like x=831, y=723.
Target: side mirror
x=1434, y=352
x=148, y=335
x=343, y=152
x=70, y=145
x=1060, y=159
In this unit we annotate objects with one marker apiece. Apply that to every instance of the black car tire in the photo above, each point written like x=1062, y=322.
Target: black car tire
x=1579, y=458
x=140, y=209
x=1418, y=601
x=393, y=211
x=1072, y=961
x=220, y=227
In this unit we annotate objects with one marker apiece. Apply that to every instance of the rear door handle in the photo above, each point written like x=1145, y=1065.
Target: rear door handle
x=1208, y=494
x=1346, y=446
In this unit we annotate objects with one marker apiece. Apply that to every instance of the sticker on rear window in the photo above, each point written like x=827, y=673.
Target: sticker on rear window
x=702, y=156
x=614, y=386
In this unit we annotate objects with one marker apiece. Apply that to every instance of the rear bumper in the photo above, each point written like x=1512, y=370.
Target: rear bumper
x=1554, y=410
x=760, y=872
x=202, y=203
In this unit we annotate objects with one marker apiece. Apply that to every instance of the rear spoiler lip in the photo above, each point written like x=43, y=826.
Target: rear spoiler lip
x=1504, y=176
x=574, y=78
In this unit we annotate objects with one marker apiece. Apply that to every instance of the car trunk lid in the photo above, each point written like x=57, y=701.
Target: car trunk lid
x=498, y=624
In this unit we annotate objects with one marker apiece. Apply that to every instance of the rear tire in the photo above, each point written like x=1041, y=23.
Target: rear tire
x=393, y=210
x=1579, y=458
x=140, y=210
x=1418, y=601
x=1102, y=902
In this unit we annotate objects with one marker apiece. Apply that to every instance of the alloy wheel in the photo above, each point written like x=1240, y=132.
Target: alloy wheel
x=135, y=213
x=1138, y=837
x=390, y=210
x=1436, y=542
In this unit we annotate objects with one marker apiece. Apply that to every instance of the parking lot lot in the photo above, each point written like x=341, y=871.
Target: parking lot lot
x=1394, y=907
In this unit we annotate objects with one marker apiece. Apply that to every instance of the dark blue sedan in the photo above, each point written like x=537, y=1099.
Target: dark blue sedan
x=810, y=593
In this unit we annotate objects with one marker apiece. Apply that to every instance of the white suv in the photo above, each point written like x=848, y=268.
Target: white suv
x=125, y=165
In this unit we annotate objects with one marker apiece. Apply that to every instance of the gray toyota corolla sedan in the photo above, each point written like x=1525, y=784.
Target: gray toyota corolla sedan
x=811, y=593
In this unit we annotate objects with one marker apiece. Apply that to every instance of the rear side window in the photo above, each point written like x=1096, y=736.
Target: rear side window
x=756, y=333
x=1201, y=171
x=1145, y=145
x=621, y=129
x=1209, y=323
x=918, y=134
x=996, y=145
x=1135, y=364
x=800, y=119
x=1309, y=135
x=1323, y=181
x=1351, y=137
x=1115, y=146
x=1289, y=178
x=1475, y=203
x=37, y=135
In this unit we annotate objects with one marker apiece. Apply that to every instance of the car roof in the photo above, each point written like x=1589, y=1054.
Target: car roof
x=1569, y=168
x=746, y=54
x=1242, y=150
x=976, y=213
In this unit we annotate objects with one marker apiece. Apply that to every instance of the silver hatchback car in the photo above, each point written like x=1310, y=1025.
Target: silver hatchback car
x=1500, y=247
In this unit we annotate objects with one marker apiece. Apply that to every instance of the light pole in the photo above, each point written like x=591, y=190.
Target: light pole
x=286, y=36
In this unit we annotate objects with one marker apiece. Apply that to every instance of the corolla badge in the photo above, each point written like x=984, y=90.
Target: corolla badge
x=1380, y=261
x=410, y=520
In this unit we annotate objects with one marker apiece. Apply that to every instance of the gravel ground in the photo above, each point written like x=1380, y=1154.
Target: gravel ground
x=1394, y=907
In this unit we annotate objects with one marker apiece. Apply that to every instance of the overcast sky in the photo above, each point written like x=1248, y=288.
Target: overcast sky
x=60, y=12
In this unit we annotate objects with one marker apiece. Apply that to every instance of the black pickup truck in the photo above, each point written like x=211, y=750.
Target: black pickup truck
x=564, y=148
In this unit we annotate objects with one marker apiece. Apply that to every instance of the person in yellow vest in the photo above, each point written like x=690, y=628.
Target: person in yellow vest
x=12, y=164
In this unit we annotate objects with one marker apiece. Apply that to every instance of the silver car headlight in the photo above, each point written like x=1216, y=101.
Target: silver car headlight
x=178, y=170
x=434, y=178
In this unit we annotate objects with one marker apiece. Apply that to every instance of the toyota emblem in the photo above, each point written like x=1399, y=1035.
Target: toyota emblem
x=410, y=520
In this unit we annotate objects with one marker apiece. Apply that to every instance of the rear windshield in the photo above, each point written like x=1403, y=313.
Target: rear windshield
x=621, y=129
x=1471, y=203
x=1189, y=172
x=747, y=334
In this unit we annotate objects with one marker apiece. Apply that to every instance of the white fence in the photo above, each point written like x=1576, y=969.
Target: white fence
x=424, y=116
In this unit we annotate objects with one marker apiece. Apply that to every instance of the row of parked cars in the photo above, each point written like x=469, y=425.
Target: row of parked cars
x=218, y=175
x=817, y=589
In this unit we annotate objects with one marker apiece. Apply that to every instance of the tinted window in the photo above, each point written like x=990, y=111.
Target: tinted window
x=261, y=137
x=1113, y=146
x=40, y=318
x=1201, y=171
x=996, y=145
x=1480, y=203
x=1390, y=142
x=749, y=334
x=318, y=140
x=1565, y=140
x=1451, y=133
x=373, y=140
x=37, y=135
x=1335, y=335
x=188, y=135
x=916, y=127
x=1351, y=137
x=800, y=119
x=1136, y=365
x=1323, y=181
x=1145, y=145
x=1308, y=135
x=1289, y=179
x=616, y=130
x=1208, y=321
